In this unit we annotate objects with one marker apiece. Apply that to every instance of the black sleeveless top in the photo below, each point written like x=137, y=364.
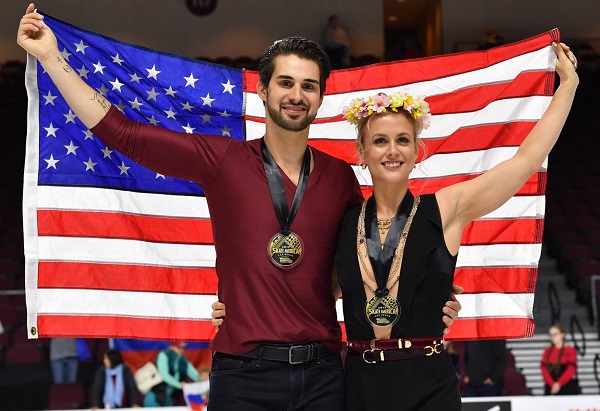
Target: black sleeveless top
x=426, y=276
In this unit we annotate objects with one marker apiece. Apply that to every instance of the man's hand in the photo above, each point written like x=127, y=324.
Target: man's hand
x=34, y=36
x=218, y=313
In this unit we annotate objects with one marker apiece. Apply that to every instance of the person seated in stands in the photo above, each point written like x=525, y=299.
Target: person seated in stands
x=175, y=370
x=113, y=386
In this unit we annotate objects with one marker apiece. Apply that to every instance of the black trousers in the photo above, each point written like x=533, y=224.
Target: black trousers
x=253, y=384
x=417, y=384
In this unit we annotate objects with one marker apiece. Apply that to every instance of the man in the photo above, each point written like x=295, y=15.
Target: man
x=485, y=363
x=275, y=206
x=337, y=43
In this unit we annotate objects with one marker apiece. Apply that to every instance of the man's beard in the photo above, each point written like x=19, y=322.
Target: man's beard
x=298, y=124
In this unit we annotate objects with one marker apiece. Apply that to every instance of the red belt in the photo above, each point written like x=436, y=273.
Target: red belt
x=379, y=350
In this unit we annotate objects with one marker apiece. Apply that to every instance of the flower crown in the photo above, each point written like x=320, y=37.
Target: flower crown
x=381, y=103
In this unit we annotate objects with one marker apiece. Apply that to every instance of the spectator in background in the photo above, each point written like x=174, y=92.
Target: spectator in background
x=559, y=365
x=64, y=360
x=175, y=370
x=492, y=39
x=337, y=43
x=485, y=362
x=113, y=386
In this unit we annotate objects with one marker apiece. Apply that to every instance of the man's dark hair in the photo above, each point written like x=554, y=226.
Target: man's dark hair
x=297, y=46
x=114, y=356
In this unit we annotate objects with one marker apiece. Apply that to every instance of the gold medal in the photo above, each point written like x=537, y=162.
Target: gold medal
x=382, y=311
x=285, y=249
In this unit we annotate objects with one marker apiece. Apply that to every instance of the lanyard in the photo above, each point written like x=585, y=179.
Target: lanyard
x=382, y=256
x=277, y=189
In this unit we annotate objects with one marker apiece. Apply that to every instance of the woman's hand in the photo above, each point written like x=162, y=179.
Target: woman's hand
x=566, y=63
x=555, y=388
x=34, y=36
x=452, y=308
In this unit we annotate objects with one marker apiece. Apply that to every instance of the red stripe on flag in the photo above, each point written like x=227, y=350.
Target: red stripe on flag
x=125, y=327
x=496, y=279
x=509, y=231
x=477, y=97
x=123, y=277
x=536, y=185
x=464, y=140
x=480, y=138
x=98, y=224
x=490, y=328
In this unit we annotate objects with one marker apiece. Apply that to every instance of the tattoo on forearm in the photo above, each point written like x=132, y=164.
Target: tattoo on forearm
x=102, y=101
x=66, y=67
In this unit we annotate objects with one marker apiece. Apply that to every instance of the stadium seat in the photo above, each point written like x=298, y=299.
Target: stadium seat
x=23, y=354
x=514, y=383
x=9, y=316
x=66, y=396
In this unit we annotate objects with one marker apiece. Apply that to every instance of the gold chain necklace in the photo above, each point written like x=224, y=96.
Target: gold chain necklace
x=361, y=239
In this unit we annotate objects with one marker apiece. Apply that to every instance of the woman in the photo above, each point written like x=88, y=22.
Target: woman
x=114, y=386
x=559, y=365
x=397, y=252
x=175, y=370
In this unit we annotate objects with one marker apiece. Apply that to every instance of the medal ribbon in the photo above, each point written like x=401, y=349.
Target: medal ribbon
x=381, y=257
x=277, y=189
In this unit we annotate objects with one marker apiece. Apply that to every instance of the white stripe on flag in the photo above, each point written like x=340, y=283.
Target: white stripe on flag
x=496, y=305
x=105, y=199
x=499, y=255
x=182, y=306
x=126, y=252
x=124, y=303
x=523, y=207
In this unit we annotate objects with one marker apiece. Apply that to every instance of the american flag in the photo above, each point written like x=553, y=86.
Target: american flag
x=115, y=250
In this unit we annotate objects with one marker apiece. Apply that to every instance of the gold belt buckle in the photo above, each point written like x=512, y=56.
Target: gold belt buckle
x=373, y=349
x=435, y=348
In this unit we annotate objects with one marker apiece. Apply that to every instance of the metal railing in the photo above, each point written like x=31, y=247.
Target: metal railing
x=574, y=323
x=554, y=301
x=596, y=361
